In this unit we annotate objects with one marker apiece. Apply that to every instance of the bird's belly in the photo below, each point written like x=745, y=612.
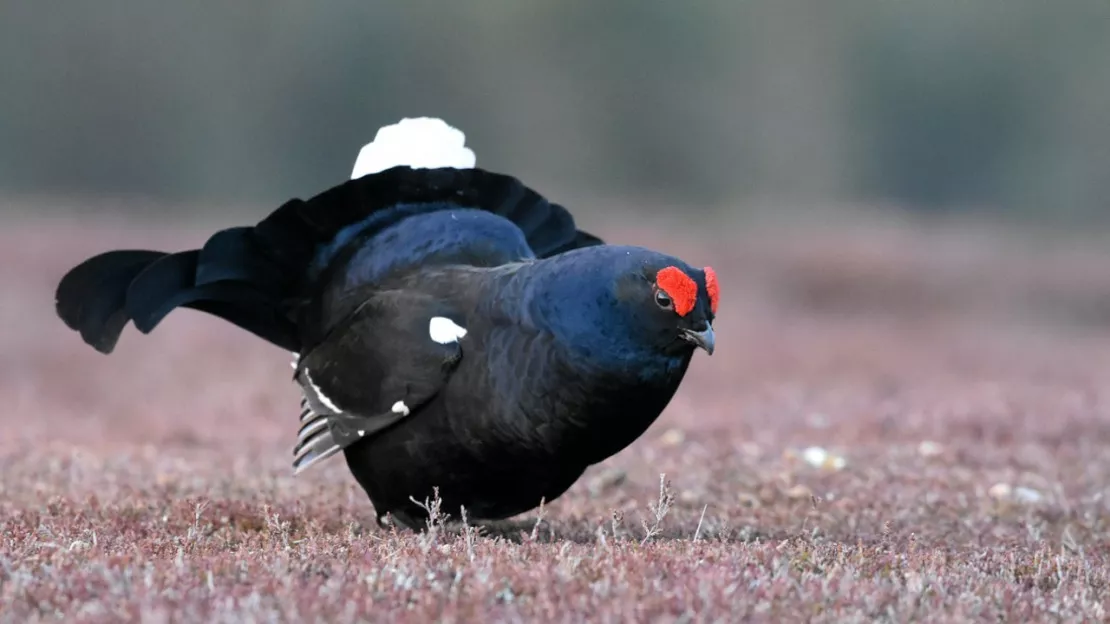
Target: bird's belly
x=496, y=464
x=490, y=480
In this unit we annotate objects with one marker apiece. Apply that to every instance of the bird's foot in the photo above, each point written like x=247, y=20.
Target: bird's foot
x=391, y=519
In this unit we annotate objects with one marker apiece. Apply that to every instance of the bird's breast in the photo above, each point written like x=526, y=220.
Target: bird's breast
x=537, y=402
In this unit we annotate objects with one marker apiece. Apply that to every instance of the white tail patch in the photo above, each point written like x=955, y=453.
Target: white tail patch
x=420, y=143
x=443, y=330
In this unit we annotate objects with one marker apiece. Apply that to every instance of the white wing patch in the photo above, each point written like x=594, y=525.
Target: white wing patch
x=315, y=441
x=320, y=394
x=420, y=143
x=443, y=330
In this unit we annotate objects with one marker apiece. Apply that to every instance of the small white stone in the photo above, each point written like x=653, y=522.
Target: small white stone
x=820, y=458
x=1000, y=490
x=400, y=408
x=361, y=433
x=443, y=330
x=672, y=437
x=928, y=448
x=1019, y=494
x=815, y=455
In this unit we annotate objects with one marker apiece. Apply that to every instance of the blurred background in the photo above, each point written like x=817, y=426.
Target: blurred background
x=996, y=108
x=888, y=190
x=907, y=205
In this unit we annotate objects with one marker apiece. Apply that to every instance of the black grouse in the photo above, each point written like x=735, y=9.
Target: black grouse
x=450, y=327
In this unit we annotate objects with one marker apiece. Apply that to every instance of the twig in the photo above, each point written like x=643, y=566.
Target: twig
x=659, y=509
x=539, y=518
x=697, y=532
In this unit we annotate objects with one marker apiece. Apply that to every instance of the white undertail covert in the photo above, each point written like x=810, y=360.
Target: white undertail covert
x=420, y=143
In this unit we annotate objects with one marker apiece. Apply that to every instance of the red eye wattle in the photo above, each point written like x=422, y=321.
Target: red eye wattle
x=711, y=288
x=682, y=290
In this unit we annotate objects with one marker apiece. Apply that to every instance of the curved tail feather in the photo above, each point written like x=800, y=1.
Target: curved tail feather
x=91, y=298
x=99, y=296
x=257, y=276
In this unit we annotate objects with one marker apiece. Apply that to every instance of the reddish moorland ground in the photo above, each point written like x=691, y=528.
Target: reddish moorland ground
x=958, y=380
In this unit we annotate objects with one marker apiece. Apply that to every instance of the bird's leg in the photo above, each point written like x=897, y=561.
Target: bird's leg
x=390, y=519
x=407, y=521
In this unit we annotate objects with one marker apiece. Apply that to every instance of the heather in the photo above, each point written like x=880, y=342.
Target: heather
x=900, y=423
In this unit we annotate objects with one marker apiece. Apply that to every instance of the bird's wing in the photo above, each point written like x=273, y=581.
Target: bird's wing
x=382, y=362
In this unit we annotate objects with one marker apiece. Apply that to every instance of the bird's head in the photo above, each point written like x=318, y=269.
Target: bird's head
x=670, y=304
x=625, y=304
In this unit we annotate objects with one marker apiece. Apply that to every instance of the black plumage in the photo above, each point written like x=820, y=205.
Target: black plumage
x=451, y=328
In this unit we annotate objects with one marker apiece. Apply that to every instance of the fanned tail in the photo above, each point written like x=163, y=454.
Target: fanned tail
x=257, y=277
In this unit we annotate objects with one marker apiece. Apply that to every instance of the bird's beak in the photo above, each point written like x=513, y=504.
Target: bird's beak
x=703, y=338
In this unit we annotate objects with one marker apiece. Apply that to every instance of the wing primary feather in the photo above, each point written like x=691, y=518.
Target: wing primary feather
x=315, y=444
x=311, y=427
x=313, y=455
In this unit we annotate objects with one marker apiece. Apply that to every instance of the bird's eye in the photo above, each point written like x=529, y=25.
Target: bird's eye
x=663, y=300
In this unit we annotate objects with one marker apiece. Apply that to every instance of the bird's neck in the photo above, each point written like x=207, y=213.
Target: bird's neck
x=608, y=406
x=590, y=326
x=602, y=388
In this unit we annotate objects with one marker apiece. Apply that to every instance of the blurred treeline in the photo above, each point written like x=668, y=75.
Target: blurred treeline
x=940, y=105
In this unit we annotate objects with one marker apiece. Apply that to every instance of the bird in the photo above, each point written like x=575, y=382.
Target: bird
x=453, y=332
